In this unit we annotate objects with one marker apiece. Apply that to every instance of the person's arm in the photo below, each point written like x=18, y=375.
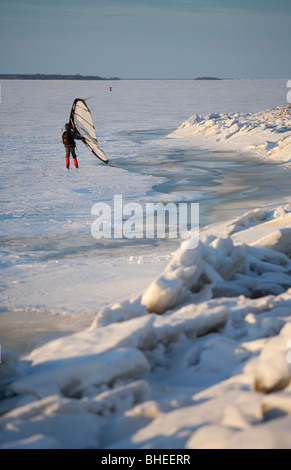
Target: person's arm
x=77, y=136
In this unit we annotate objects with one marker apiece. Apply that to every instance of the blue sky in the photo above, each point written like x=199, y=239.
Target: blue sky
x=147, y=38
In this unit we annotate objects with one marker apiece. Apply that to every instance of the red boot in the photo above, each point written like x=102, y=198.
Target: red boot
x=76, y=163
x=67, y=162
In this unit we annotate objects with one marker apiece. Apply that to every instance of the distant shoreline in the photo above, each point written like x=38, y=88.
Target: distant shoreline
x=208, y=78
x=41, y=76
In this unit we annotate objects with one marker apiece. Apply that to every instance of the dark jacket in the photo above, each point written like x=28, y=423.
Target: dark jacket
x=69, y=137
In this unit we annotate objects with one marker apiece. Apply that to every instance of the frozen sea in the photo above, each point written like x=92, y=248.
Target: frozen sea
x=55, y=275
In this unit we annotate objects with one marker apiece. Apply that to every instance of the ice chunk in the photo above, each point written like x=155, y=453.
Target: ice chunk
x=277, y=404
x=162, y=294
x=248, y=219
x=71, y=376
x=279, y=240
x=118, y=399
x=192, y=120
x=181, y=273
x=192, y=319
x=212, y=436
x=95, y=340
x=275, y=434
x=61, y=422
x=273, y=371
x=119, y=312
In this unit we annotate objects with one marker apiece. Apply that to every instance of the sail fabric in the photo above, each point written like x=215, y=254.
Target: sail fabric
x=82, y=124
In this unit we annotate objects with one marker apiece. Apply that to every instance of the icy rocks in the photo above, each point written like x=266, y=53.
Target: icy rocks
x=267, y=132
x=192, y=120
x=219, y=268
x=199, y=361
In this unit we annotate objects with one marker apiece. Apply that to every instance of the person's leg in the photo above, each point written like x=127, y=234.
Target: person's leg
x=74, y=157
x=67, y=157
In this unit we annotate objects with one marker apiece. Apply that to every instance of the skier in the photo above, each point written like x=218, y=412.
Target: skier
x=69, y=137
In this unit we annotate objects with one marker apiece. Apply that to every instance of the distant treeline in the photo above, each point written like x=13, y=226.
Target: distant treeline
x=207, y=78
x=41, y=76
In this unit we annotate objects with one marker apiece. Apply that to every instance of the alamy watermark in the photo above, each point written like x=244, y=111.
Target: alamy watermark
x=149, y=220
x=289, y=92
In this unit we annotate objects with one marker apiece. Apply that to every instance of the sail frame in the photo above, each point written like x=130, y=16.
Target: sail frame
x=82, y=124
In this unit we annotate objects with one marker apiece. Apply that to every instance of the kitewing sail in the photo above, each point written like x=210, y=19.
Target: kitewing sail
x=82, y=123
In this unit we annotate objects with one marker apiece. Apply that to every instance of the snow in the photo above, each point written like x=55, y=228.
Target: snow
x=148, y=346
x=266, y=133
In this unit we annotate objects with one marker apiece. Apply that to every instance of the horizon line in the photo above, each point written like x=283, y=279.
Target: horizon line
x=76, y=77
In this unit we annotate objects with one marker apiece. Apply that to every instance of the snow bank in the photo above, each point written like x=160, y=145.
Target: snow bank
x=198, y=360
x=266, y=133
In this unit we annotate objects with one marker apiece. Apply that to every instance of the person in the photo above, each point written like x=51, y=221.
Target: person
x=69, y=137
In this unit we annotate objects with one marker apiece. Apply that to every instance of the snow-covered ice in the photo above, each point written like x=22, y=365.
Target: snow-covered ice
x=156, y=346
